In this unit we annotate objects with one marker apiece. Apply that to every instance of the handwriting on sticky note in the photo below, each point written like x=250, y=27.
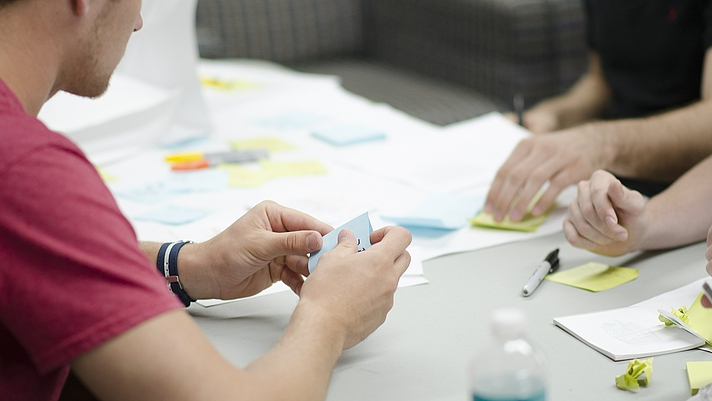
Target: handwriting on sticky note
x=594, y=277
x=360, y=226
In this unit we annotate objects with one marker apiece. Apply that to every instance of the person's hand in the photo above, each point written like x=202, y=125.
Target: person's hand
x=606, y=218
x=562, y=159
x=354, y=290
x=538, y=121
x=269, y=243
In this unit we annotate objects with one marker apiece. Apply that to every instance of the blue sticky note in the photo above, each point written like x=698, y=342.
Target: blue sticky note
x=360, y=226
x=292, y=120
x=342, y=135
x=173, y=215
x=209, y=180
x=441, y=211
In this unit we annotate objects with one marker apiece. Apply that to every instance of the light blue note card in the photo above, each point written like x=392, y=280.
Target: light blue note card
x=441, y=211
x=360, y=226
x=173, y=215
x=209, y=180
x=348, y=134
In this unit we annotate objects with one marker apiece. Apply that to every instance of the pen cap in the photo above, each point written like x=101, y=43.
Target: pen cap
x=508, y=323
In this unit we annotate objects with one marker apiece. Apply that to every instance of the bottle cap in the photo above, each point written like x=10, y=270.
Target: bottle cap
x=508, y=322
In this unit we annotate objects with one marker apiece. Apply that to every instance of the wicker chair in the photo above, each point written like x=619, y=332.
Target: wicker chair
x=440, y=60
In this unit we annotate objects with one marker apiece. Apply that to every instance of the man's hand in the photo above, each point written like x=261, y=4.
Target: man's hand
x=606, y=218
x=354, y=290
x=562, y=159
x=269, y=243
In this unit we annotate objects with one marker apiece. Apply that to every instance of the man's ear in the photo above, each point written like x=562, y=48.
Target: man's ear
x=80, y=7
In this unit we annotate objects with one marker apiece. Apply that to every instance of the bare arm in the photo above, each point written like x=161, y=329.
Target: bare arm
x=345, y=299
x=660, y=148
x=585, y=101
x=610, y=219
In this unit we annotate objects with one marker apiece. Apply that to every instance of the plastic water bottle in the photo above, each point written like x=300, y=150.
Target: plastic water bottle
x=510, y=367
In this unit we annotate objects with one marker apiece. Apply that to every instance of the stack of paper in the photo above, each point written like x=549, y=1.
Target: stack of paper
x=635, y=331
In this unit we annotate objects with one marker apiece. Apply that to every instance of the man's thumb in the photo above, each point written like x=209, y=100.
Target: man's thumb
x=347, y=239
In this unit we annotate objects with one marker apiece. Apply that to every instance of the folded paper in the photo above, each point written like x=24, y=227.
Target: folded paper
x=639, y=373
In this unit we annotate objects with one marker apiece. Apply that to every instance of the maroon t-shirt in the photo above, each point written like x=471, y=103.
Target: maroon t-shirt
x=71, y=272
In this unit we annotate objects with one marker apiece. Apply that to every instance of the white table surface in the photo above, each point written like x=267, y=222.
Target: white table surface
x=422, y=351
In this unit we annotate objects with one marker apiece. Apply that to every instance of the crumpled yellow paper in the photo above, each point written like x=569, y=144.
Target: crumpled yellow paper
x=681, y=313
x=639, y=373
x=697, y=318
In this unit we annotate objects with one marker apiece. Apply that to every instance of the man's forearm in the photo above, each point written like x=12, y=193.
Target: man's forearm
x=660, y=147
x=681, y=214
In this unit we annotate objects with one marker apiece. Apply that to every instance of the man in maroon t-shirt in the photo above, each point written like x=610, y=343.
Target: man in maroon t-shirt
x=80, y=296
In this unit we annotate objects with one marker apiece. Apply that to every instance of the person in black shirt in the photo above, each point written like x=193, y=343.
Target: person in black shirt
x=643, y=110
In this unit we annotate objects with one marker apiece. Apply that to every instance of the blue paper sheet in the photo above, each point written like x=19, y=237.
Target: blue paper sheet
x=349, y=134
x=360, y=226
x=441, y=211
x=177, y=183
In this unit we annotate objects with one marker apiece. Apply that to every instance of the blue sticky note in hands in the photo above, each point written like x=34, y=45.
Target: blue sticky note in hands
x=349, y=134
x=360, y=226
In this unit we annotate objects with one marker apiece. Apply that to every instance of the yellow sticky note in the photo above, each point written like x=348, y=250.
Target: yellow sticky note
x=699, y=374
x=106, y=176
x=699, y=319
x=242, y=177
x=228, y=84
x=594, y=276
x=271, y=144
x=292, y=169
x=528, y=223
x=247, y=177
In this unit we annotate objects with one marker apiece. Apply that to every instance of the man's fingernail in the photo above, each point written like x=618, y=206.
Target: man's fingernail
x=515, y=215
x=343, y=234
x=313, y=242
x=610, y=221
x=536, y=211
x=622, y=236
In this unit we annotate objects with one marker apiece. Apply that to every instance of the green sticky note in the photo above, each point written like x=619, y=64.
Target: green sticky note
x=699, y=319
x=528, y=223
x=594, y=277
x=699, y=374
x=292, y=169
